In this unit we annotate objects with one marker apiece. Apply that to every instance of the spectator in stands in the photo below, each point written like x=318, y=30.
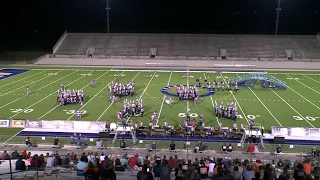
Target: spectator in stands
x=124, y=160
x=211, y=167
x=280, y=164
x=191, y=174
x=250, y=148
x=299, y=172
x=24, y=154
x=248, y=174
x=5, y=155
x=107, y=172
x=133, y=161
x=146, y=161
x=57, y=160
x=83, y=163
x=65, y=162
x=179, y=173
x=203, y=170
x=144, y=174
x=28, y=143
x=91, y=172
x=257, y=176
x=236, y=174
x=15, y=154
x=171, y=162
x=156, y=169
x=20, y=165
x=118, y=165
x=307, y=167
x=99, y=144
x=220, y=175
x=165, y=170
x=50, y=160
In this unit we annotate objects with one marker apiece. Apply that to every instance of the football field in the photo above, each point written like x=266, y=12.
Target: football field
x=298, y=105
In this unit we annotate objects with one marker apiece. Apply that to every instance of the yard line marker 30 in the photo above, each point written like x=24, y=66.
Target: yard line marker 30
x=292, y=107
x=311, y=79
x=37, y=90
x=234, y=97
x=263, y=104
x=22, y=79
x=164, y=98
x=145, y=89
x=93, y=96
x=305, y=85
x=55, y=92
x=26, y=85
x=111, y=102
x=81, y=88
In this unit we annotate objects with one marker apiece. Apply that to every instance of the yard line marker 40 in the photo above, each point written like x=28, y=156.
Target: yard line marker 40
x=22, y=79
x=58, y=105
x=164, y=98
x=234, y=97
x=44, y=98
x=111, y=102
x=292, y=107
x=263, y=104
x=37, y=90
x=26, y=85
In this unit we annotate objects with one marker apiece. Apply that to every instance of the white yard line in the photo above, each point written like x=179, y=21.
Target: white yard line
x=263, y=105
x=55, y=92
x=37, y=90
x=26, y=85
x=205, y=77
x=164, y=98
x=305, y=85
x=93, y=97
x=234, y=97
x=112, y=103
x=80, y=88
x=291, y=107
x=311, y=79
x=21, y=79
x=145, y=89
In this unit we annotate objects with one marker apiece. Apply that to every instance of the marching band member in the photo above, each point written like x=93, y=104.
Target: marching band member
x=28, y=91
x=141, y=124
x=79, y=114
x=211, y=130
x=203, y=125
x=165, y=124
x=234, y=127
x=192, y=129
x=136, y=126
x=220, y=125
x=242, y=128
x=150, y=125
x=154, y=117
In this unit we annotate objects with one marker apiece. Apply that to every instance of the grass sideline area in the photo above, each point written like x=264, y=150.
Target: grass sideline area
x=298, y=105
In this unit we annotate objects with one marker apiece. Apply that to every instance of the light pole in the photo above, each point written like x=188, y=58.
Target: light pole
x=278, y=14
x=108, y=20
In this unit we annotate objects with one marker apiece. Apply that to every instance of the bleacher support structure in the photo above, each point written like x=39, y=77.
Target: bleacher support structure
x=267, y=81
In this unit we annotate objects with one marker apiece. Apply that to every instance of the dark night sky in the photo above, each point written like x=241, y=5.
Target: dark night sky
x=50, y=18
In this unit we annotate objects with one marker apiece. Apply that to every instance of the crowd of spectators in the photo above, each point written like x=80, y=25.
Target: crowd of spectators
x=102, y=166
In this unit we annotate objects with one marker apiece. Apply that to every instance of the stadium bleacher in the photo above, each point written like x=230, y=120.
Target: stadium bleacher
x=188, y=45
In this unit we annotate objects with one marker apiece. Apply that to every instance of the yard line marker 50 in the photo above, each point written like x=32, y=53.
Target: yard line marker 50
x=164, y=98
x=305, y=85
x=291, y=107
x=22, y=79
x=263, y=104
x=37, y=90
x=58, y=105
x=44, y=98
x=111, y=102
x=145, y=89
x=234, y=97
x=26, y=85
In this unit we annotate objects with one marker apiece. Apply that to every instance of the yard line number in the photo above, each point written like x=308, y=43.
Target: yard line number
x=52, y=74
x=249, y=116
x=309, y=118
x=75, y=111
x=182, y=115
x=293, y=78
x=225, y=77
x=21, y=110
x=119, y=75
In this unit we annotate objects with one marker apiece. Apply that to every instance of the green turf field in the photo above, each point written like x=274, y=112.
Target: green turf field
x=298, y=105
